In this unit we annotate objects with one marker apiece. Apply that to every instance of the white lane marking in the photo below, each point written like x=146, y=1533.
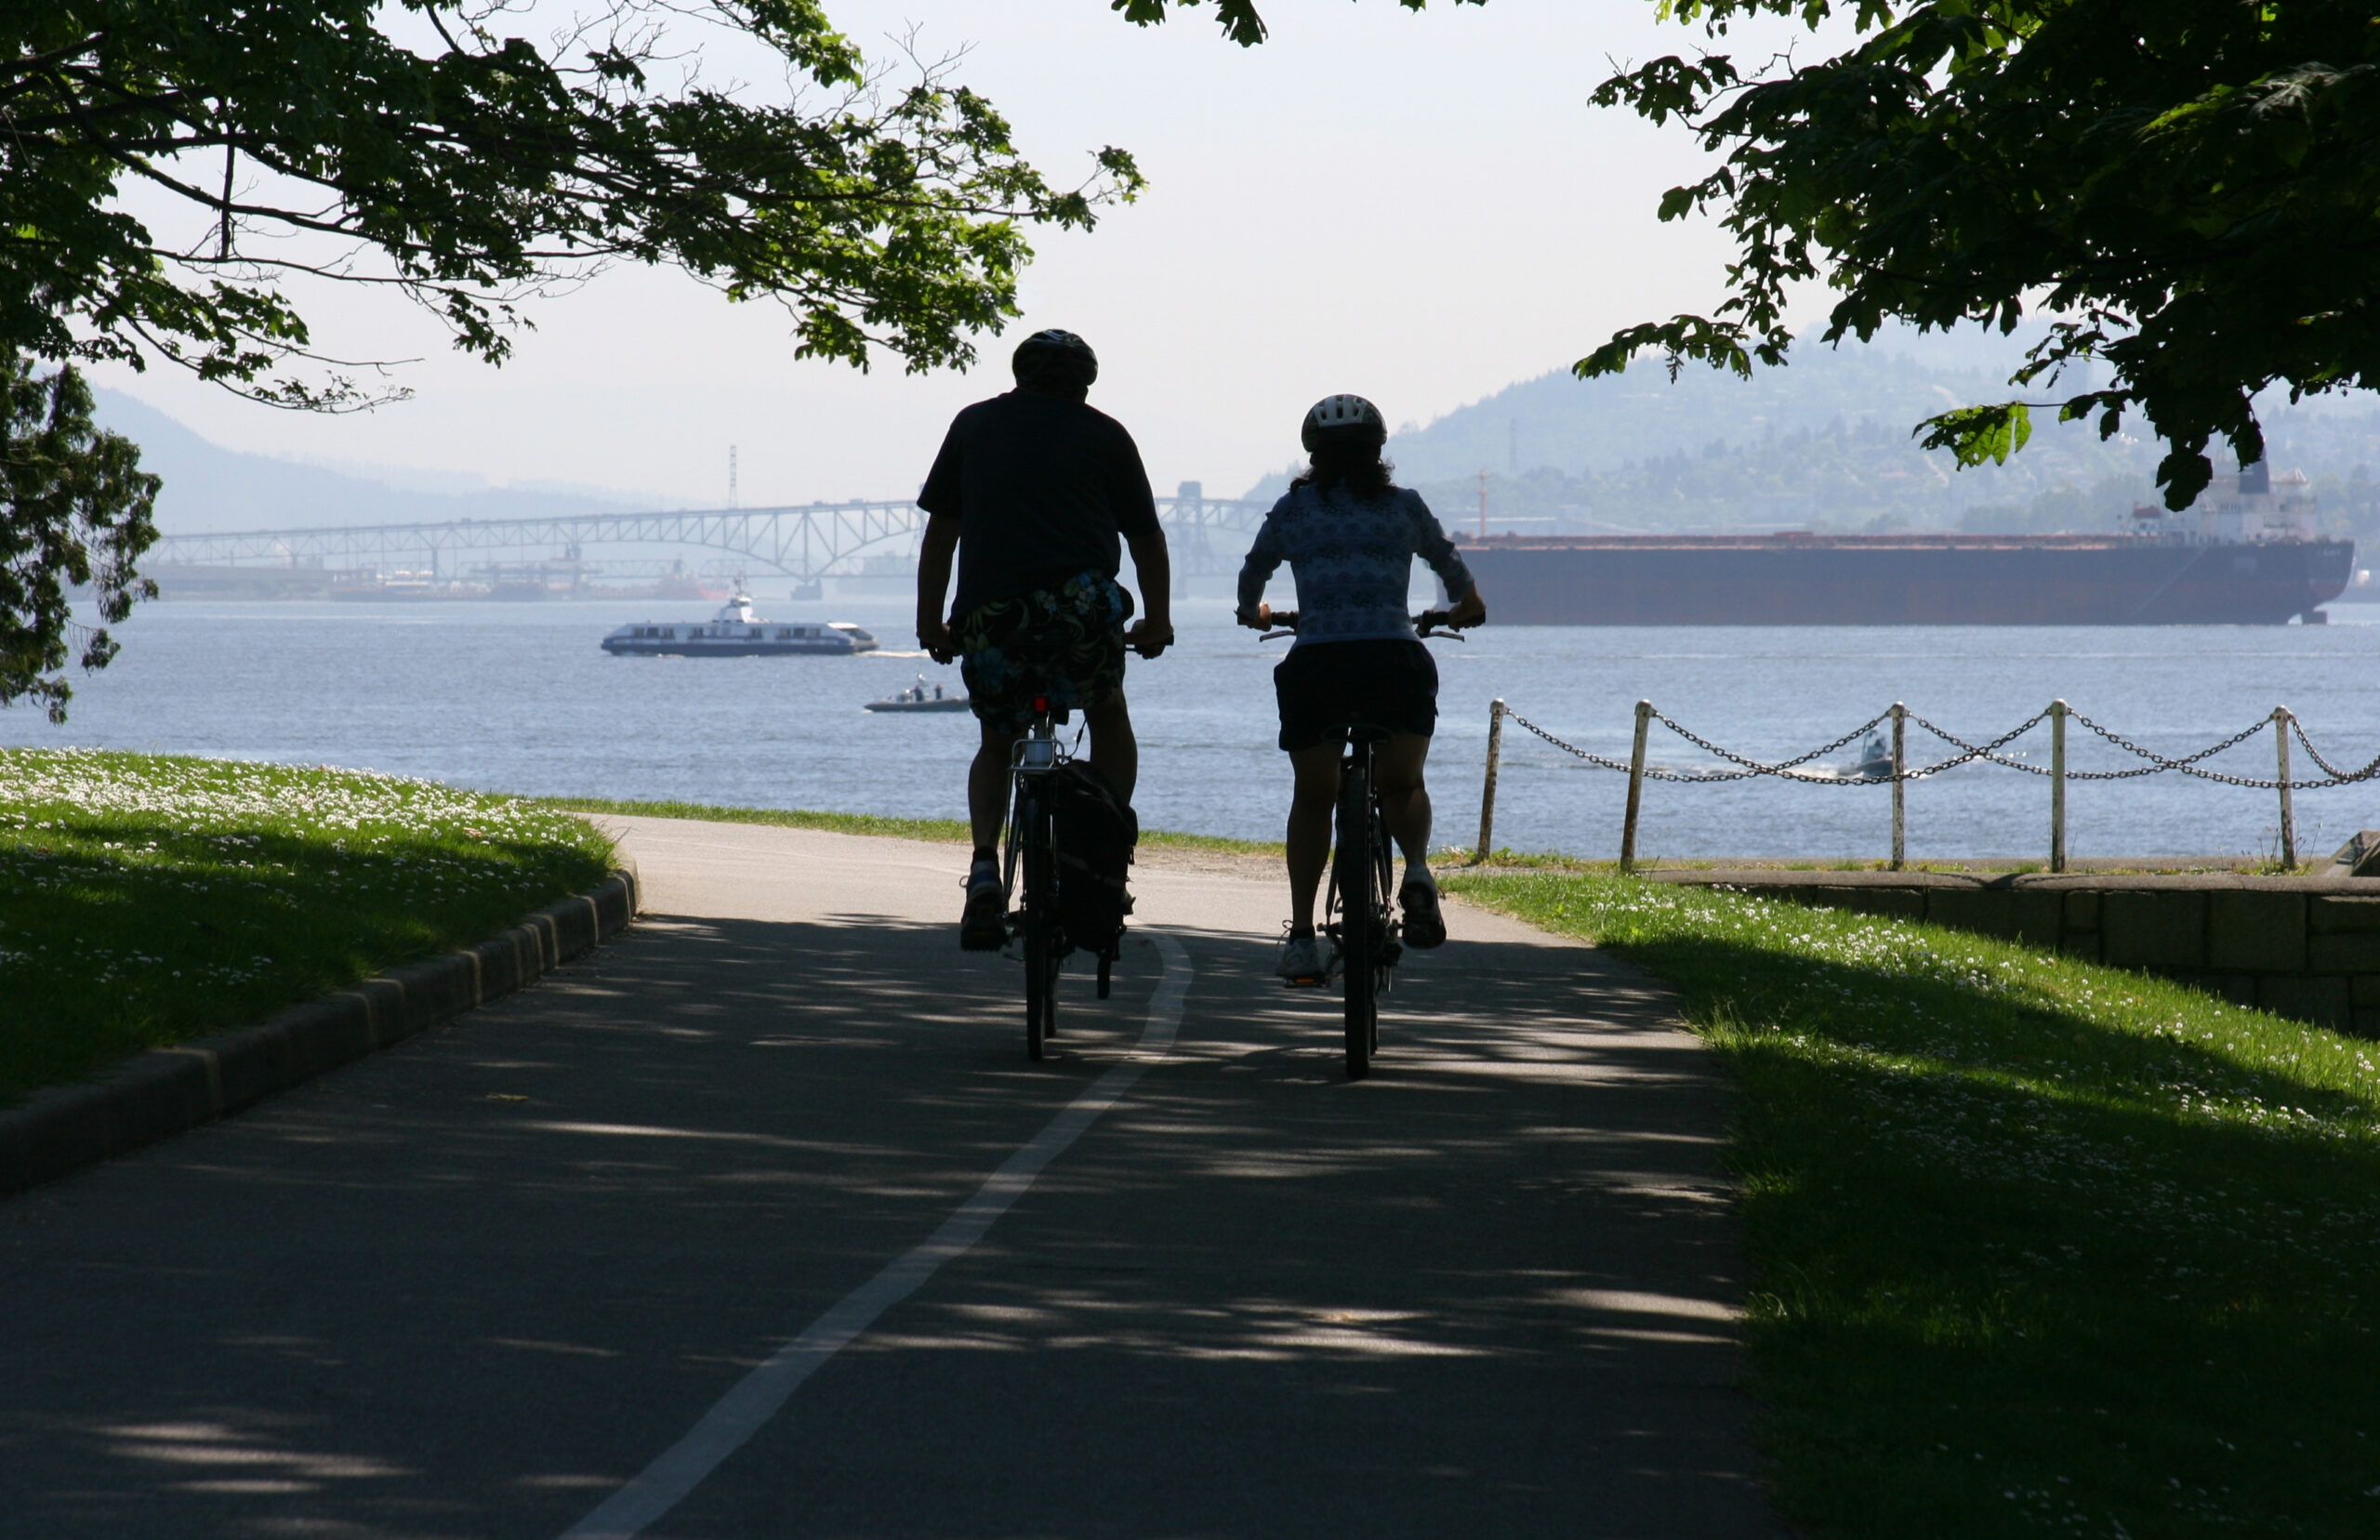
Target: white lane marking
x=759, y=1395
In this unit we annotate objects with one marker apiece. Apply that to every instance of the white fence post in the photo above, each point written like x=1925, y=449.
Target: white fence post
x=2281, y=719
x=1635, y=789
x=1900, y=764
x=2057, y=786
x=1488, y=786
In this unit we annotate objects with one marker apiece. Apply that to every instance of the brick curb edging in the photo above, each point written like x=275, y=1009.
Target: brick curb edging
x=168, y=1091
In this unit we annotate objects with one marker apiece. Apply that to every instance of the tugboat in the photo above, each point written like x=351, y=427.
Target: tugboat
x=919, y=697
x=735, y=632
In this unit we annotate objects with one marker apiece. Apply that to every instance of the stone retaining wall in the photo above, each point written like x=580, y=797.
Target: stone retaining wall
x=2297, y=949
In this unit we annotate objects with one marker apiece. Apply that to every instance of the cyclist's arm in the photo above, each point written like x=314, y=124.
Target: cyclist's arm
x=1430, y=542
x=1263, y=559
x=934, y=552
x=1153, y=630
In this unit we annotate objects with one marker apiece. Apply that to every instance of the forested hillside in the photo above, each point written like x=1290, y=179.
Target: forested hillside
x=1823, y=443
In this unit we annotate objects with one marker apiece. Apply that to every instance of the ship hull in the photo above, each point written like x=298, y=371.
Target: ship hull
x=1903, y=580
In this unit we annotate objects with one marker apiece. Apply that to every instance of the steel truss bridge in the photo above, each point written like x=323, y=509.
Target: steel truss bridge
x=818, y=540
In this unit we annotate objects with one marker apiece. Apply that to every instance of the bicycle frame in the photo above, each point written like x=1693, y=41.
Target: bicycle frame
x=1032, y=853
x=1368, y=937
x=1357, y=914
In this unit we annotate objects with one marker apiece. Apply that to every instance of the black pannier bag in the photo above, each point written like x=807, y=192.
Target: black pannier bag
x=1095, y=832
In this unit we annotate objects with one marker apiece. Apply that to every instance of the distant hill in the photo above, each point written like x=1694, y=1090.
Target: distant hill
x=1585, y=426
x=209, y=487
x=1823, y=443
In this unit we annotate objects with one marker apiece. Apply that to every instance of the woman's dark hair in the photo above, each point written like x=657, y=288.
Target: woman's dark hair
x=1351, y=460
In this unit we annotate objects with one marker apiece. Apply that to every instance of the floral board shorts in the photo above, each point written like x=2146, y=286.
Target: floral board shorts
x=1066, y=643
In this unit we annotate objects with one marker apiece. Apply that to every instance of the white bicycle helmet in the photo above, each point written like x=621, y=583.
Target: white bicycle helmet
x=1338, y=417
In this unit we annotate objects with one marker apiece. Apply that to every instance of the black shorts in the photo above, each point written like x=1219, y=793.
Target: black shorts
x=1325, y=684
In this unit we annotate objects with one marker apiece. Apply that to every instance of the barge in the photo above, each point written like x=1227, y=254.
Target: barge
x=1905, y=580
x=2247, y=554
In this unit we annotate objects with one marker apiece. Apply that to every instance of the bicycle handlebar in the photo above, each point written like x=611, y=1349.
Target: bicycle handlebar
x=1428, y=624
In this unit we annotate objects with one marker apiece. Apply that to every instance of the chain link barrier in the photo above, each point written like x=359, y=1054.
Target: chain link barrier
x=1991, y=752
x=2338, y=776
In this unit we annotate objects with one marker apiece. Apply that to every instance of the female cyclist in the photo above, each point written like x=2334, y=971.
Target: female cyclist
x=1350, y=536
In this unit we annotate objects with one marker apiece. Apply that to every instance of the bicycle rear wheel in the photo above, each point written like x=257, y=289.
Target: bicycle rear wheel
x=1040, y=926
x=1359, y=935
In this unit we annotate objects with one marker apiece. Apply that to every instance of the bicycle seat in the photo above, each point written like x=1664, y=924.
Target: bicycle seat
x=1363, y=732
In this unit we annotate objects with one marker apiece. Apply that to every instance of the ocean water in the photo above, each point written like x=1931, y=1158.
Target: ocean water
x=519, y=698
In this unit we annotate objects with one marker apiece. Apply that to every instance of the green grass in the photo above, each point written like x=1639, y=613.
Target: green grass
x=949, y=830
x=2036, y=1246
x=148, y=900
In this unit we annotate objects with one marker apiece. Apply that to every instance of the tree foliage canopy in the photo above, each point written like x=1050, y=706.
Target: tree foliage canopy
x=474, y=170
x=2188, y=190
x=419, y=145
x=2191, y=187
x=1240, y=21
x=77, y=512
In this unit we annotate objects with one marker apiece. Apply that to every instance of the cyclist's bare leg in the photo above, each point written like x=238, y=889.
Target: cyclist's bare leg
x=1115, y=753
x=1403, y=799
x=1311, y=805
x=987, y=784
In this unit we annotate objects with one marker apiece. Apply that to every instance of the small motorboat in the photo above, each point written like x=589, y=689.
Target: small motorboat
x=1875, y=761
x=920, y=696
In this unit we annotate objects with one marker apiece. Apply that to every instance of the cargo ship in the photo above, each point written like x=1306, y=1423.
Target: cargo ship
x=2252, y=559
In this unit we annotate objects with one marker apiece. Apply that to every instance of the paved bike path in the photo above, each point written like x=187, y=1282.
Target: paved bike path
x=472, y=1285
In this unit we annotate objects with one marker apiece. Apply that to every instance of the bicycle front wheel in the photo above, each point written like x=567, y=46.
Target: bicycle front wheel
x=1359, y=930
x=1384, y=944
x=1040, y=928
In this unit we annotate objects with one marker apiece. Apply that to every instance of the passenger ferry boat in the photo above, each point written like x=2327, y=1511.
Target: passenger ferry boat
x=735, y=632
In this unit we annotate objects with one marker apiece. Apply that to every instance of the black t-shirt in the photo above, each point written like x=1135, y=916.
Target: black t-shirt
x=1042, y=488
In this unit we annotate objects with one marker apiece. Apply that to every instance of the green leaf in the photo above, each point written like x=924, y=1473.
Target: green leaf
x=1979, y=433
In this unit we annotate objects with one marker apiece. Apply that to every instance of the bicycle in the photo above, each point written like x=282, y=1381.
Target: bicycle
x=1032, y=846
x=1356, y=909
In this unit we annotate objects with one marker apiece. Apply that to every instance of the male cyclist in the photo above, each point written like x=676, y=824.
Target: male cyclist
x=1032, y=490
x=1350, y=535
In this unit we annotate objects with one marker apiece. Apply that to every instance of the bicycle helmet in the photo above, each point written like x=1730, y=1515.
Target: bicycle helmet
x=1054, y=360
x=1342, y=418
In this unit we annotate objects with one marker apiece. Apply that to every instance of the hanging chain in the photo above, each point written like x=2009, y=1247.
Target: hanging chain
x=2343, y=777
x=1595, y=759
x=2188, y=765
x=1790, y=770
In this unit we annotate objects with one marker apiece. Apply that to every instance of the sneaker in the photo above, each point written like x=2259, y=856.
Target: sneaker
x=1303, y=961
x=983, y=927
x=1424, y=927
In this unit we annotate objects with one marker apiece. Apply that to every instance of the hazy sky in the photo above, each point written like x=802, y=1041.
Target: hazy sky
x=1419, y=208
